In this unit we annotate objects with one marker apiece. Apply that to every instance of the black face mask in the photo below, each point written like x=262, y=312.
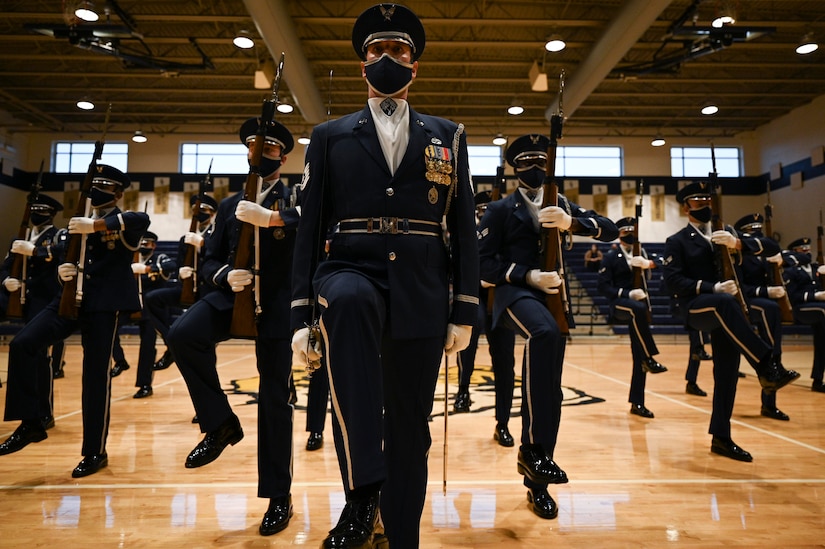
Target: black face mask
x=100, y=197
x=702, y=215
x=802, y=258
x=531, y=178
x=202, y=217
x=38, y=219
x=146, y=251
x=628, y=239
x=269, y=166
x=387, y=75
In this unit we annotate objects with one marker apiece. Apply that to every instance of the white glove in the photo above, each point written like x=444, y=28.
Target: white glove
x=238, y=278
x=193, y=239
x=546, y=281
x=66, y=271
x=775, y=259
x=821, y=269
x=776, y=292
x=81, y=225
x=819, y=296
x=11, y=284
x=140, y=268
x=640, y=262
x=252, y=213
x=302, y=352
x=458, y=338
x=185, y=272
x=726, y=287
x=637, y=294
x=22, y=247
x=555, y=217
x=724, y=238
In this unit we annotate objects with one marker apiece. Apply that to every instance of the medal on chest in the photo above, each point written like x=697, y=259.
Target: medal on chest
x=438, y=162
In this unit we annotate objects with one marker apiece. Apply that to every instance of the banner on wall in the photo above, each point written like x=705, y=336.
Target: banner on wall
x=657, y=202
x=628, y=198
x=189, y=188
x=600, y=199
x=571, y=190
x=71, y=194
x=161, y=189
x=131, y=199
x=221, y=188
x=679, y=185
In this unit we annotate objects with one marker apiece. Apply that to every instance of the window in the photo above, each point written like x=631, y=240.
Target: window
x=697, y=161
x=484, y=159
x=225, y=158
x=74, y=157
x=570, y=161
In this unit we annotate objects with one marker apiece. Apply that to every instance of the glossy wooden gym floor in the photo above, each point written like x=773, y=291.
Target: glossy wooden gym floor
x=633, y=482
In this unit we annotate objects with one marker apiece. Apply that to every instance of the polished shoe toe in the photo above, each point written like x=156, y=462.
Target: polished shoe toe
x=356, y=527
x=773, y=376
x=818, y=386
x=315, y=441
x=47, y=422
x=652, y=367
x=692, y=389
x=502, y=436
x=542, y=504
x=774, y=413
x=119, y=367
x=164, y=362
x=534, y=464
x=143, y=392
x=640, y=410
x=703, y=355
x=195, y=419
x=277, y=516
x=462, y=402
x=90, y=465
x=24, y=435
x=210, y=448
x=729, y=449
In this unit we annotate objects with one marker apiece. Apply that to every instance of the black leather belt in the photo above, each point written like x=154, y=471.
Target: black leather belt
x=389, y=225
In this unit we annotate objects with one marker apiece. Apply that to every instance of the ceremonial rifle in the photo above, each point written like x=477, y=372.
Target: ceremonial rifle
x=724, y=259
x=551, y=246
x=189, y=286
x=136, y=258
x=775, y=277
x=247, y=307
x=72, y=295
x=498, y=188
x=639, y=277
x=14, y=309
x=820, y=260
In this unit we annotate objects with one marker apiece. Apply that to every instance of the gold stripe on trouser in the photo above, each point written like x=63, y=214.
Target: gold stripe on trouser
x=724, y=326
x=635, y=328
x=336, y=406
x=107, y=409
x=764, y=319
x=526, y=382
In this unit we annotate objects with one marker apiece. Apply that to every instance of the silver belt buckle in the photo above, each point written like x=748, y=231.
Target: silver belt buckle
x=389, y=225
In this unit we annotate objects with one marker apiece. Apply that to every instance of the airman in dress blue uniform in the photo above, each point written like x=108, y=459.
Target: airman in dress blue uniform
x=509, y=250
x=808, y=300
x=630, y=305
x=109, y=288
x=395, y=182
x=194, y=335
x=708, y=304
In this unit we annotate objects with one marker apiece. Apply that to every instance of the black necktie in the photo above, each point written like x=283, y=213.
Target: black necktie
x=388, y=106
x=532, y=195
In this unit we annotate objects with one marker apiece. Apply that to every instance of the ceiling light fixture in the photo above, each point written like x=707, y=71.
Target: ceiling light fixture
x=658, y=141
x=725, y=15
x=555, y=44
x=284, y=108
x=86, y=12
x=709, y=109
x=85, y=104
x=515, y=108
x=499, y=140
x=807, y=45
x=538, y=78
x=303, y=140
x=243, y=40
x=139, y=137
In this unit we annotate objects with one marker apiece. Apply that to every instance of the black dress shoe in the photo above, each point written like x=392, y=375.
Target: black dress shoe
x=817, y=386
x=462, y=402
x=119, y=367
x=277, y=516
x=195, y=419
x=214, y=442
x=47, y=422
x=315, y=441
x=640, y=410
x=502, y=436
x=143, y=392
x=650, y=366
x=90, y=465
x=165, y=361
x=728, y=448
x=25, y=434
x=774, y=413
x=536, y=466
x=773, y=376
x=59, y=373
x=542, y=504
x=692, y=389
x=356, y=527
x=703, y=355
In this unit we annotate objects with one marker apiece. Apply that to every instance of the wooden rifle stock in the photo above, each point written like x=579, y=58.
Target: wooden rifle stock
x=498, y=186
x=69, y=300
x=775, y=277
x=820, y=259
x=14, y=309
x=639, y=276
x=558, y=303
x=189, y=286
